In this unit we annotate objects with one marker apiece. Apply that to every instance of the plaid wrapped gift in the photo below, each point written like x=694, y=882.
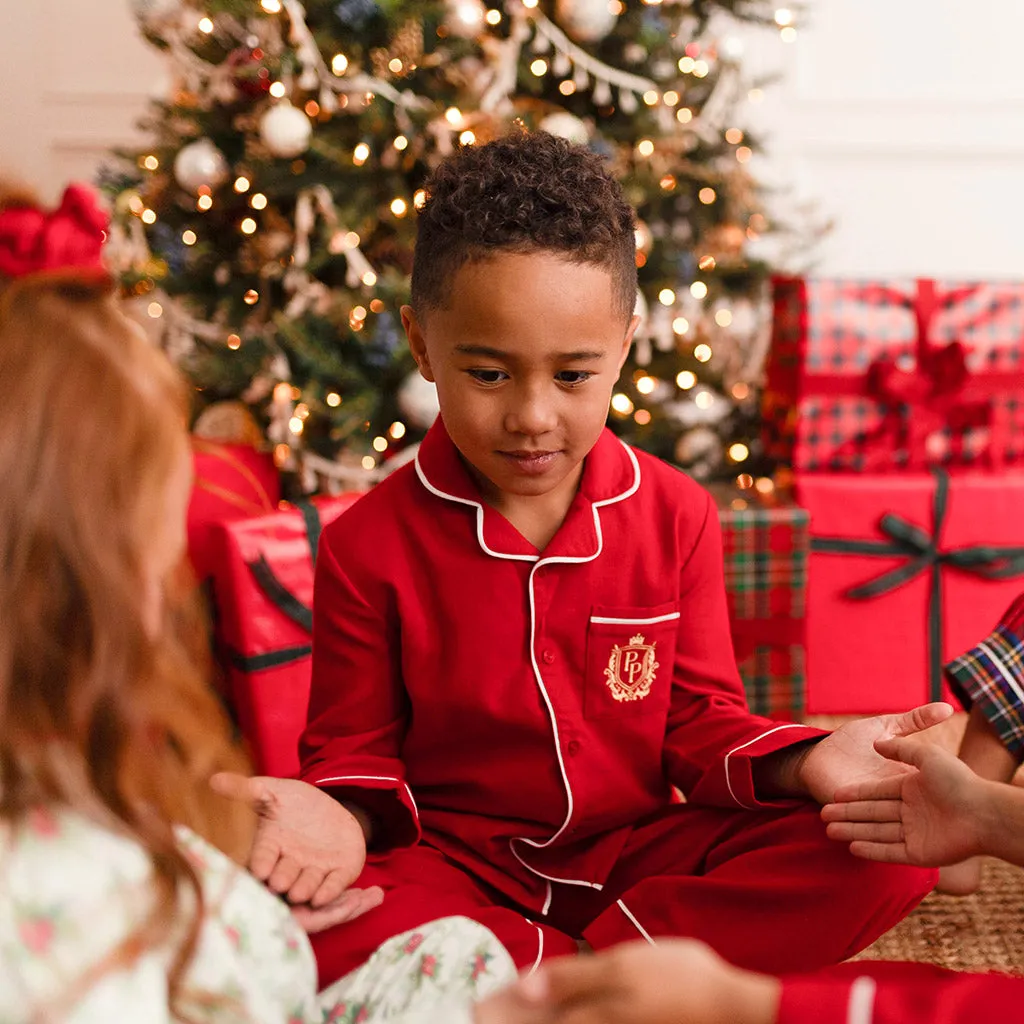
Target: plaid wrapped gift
x=765, y=551
x=894, y=376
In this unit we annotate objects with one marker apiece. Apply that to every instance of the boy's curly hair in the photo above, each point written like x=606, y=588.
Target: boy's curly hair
x=526, y=192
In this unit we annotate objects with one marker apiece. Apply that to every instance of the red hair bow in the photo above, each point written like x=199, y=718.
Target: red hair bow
x=67, y=240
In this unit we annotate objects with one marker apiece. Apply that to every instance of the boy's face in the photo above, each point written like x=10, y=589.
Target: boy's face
x=525, y=356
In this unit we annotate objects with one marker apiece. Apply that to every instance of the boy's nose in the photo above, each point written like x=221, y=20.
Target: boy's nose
x=532, y=414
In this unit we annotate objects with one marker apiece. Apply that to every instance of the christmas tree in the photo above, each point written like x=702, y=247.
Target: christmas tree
x=267, y=227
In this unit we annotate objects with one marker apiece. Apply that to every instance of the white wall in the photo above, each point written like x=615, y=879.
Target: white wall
x=903, y=119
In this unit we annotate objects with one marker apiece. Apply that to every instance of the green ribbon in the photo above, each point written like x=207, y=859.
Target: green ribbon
x=923, y=554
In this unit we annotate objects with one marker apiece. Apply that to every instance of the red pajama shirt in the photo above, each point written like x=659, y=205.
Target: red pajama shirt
x=526, y=715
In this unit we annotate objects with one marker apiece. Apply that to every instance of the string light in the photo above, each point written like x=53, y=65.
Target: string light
x=703, y=399
x=277, y=90
x=312, y=108
x=646, y=385
x=783, y=17
x=707, y=263
x=295, y=425
x=493, y=17
x=150, y=163
x=136, y=205
x=400, y=143
x=539, y=67
x=242, y=184
x=702, y=352
x=467, y=138
x=395, y=66
x=645, y=147
x=530, y=4
x=668, y=182
x=743, y=154
x=205, y=26
x=723, y=318
x=686, y=379
x=453, y=116
x=739, y=452
x=369, y=279
x=359, y=312
x=621, y=404
x=616, y=7
x=203, y=203
x=148, y=216
x=734, y=136
x=684, y=115
x=302, y=411
x=399, y=207
x=352, y=240
x=764, y=485
x=419, y=198
x=686, y=65
x=369, y=462
x=701, y=69
x=680, y=325
x=155, y=310
x=380, y=444
x=258, y=201
x=788, y=34
x=740, y=391
x=251, y=297
x=271, y=6
x=376, y=306
x=360, y=154
x=282, y=454
x=397, y=430
x=666, y=296
x=333, y=399
x=248, y=226
x=707, y=195
x=567, y=87
x=188, y=236
x=234, y=342
x=642, y=416
x=339, y=64
x=744, y=482
x=651, y=98
x=698, y=289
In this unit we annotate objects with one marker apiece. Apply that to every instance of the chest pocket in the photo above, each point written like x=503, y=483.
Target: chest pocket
x=630, y=659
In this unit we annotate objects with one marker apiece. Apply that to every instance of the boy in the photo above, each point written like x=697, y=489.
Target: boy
x=521, y=642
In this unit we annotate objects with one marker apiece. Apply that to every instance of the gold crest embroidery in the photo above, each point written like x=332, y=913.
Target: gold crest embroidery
x=631, y=668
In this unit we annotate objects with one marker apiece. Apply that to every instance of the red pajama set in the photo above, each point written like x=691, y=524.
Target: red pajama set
x=517, y=722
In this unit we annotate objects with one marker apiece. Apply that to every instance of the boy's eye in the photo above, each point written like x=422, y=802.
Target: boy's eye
x=573, y=377
x=488, y=376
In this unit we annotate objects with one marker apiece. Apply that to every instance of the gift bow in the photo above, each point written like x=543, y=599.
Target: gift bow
x=70, y=238
x=924, y=554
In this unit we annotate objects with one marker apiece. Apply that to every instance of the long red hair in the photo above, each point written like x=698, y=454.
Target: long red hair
x=101, y=712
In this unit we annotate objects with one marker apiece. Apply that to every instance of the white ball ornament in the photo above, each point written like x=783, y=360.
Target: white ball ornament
x=285, y=130
x=587, y=21
x=566, y=126
x=465, y=18
x=417, y=400
x=200, y=163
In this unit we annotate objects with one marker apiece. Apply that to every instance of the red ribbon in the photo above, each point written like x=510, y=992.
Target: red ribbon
x=70, y=238
x=938, y=391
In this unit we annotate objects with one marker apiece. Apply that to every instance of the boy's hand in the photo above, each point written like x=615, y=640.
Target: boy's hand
x=308, y=847
x=352, y=903
x=929, y=817
x=679, y=981
x=848, y=756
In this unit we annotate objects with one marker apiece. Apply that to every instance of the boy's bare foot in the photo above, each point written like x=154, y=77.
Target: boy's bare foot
x=961, y=879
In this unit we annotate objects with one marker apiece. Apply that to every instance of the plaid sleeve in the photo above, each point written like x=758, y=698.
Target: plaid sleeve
x=991, y=675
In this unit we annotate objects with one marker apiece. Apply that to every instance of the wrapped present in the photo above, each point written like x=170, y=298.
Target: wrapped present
x=765, y=549
x=230, y=481
x=895, y=376
x=264, y=602
x=906, y=572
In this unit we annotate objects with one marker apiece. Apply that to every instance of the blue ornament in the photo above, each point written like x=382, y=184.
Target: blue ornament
x=167, y=242
x=356, y=13
x=387, y=340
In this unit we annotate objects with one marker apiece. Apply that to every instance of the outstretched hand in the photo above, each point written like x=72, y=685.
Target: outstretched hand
x=308, y=847
x=848, y=756
x=929, y=815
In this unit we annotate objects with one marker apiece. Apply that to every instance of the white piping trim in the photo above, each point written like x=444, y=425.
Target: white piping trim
x=540, y=946
x=374, y=778
x=1003, y=671
x=743, y=746
x=603, y=621
x=636, y=924
x=861, y=1007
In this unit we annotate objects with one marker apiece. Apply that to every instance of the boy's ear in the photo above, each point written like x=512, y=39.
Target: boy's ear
x=627, y=341
x=417, y=342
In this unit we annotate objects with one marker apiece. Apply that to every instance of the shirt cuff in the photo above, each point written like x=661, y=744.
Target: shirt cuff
x=388, y=802
x=824, y=998
x=739, y=775
x=990, y=676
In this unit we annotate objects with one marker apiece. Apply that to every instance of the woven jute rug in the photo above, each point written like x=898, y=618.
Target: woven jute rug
x=982, y=932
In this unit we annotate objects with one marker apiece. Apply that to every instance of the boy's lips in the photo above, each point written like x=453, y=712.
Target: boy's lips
x=530, y=461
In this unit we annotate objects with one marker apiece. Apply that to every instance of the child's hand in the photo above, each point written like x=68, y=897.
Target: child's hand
x=352, y=903
x=848, y=756
x=679, y=981
x=307, y=847
x=929, y=817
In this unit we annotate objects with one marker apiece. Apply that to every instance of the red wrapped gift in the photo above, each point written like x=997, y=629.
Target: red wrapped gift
x=765, y=549
x=894, y=376
x=230, y=481
x=264, y=602
x=906, y=573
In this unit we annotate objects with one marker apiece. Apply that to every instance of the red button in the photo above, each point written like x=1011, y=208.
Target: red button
x=573, y=748
x=548, y=657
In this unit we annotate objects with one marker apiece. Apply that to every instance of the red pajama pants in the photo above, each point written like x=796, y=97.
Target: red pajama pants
x=766, y=889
